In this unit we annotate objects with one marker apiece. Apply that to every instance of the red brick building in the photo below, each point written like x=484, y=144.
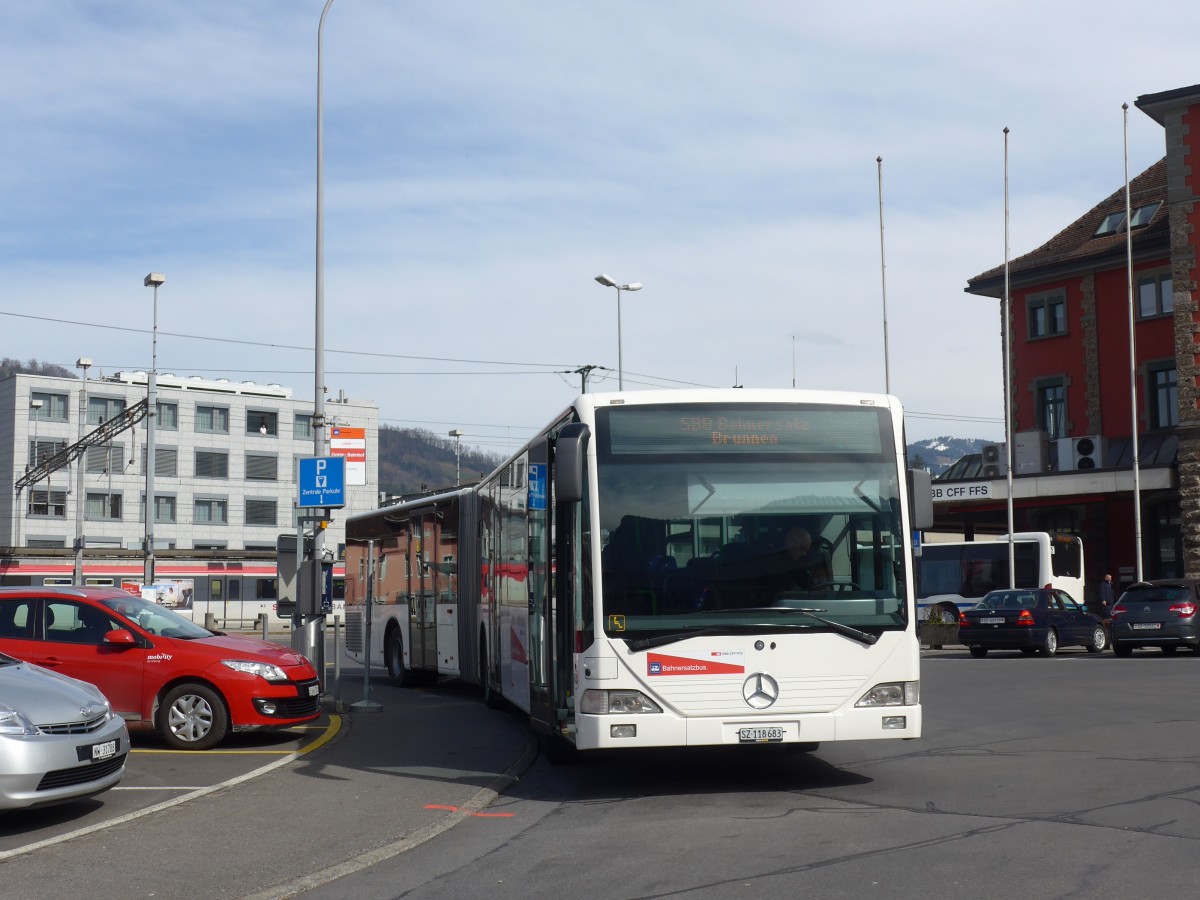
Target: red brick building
x=1072, y=385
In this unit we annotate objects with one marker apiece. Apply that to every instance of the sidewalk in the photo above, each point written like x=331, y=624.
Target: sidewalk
x=384, y=782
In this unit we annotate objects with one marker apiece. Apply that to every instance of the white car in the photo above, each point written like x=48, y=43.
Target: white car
x=59, y=738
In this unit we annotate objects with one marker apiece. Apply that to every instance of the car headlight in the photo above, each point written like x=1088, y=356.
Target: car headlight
x=898, y=693
x=13, y=722
x=617, y=703
x=264, y=670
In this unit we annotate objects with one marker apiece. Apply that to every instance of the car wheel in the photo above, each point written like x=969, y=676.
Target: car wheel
x=393, y=655
x=1099, y=640
x=1169, y=649
x=1122, y=649
x=978, y=652
x=1049, y=643
x=192, y=717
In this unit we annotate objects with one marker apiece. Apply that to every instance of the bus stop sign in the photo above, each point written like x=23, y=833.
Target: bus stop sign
x=322, y=482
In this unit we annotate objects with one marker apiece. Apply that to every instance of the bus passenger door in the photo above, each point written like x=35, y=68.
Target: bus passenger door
x=541, y=702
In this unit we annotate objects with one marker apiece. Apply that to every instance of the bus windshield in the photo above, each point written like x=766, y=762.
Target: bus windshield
x=703, y=534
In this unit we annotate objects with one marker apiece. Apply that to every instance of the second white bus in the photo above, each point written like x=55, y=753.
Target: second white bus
x=955, y=575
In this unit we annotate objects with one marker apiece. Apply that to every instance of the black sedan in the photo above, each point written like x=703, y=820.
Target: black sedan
x=1159, y=614
x=1032, y=621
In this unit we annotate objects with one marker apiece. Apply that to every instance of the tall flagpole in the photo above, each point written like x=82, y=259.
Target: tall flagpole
x=887, y=369
x=1008, y=427
x=1133, y=379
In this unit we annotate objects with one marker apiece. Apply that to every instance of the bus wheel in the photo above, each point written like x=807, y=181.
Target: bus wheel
x=491, y=697
x=558, y=749
x=393, y=654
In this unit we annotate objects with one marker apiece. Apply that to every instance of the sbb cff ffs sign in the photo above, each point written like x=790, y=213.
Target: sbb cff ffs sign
x=946, y=493
x=322, y=482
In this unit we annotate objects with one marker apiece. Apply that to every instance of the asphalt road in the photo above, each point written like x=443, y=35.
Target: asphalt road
x=1062, y=777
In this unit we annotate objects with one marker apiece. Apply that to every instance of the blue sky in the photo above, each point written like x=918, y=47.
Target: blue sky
x=484, y=161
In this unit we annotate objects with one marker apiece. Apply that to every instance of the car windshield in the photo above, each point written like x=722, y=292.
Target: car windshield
x=154, y=618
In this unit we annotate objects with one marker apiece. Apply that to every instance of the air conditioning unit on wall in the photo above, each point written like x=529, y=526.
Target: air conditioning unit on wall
x=1078, y=454
x=1031, y=452
x=995, y=460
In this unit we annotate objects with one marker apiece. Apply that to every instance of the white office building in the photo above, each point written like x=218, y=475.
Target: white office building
x=226, y=462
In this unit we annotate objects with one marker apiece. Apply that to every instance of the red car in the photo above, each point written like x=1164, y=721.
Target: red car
x=158, y=668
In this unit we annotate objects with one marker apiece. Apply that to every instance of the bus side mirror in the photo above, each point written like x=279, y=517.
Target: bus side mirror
x=570, y=461
x=920, y=499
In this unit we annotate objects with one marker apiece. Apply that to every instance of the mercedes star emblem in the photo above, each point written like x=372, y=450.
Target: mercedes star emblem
x=760, y=690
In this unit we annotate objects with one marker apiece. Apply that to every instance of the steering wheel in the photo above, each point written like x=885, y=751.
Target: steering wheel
x=835, y=587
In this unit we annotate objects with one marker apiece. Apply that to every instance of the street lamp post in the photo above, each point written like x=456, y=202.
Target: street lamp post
x=36, y=406
x=82, y=363
x=154, y=279
x=457, y=434
x=633, y=286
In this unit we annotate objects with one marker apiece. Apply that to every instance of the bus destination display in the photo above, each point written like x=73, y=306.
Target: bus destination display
x=668, y=430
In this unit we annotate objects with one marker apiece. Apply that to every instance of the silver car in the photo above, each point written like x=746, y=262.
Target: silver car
x=59, y=738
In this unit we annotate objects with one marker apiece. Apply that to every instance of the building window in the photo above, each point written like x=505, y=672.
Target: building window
x=215, y=592
x=52, y=504
x=263, y=422
x=1052, y=409
x=54, y=407
x=212, y=464
x=1155, y=295
x=167, y=417
x=262, y=467
x=212, y=419
x=166, y=462
x=105, y=459
x=165, y=508
x=40, y=451
x=1164, y=397
x=104, y=409
x=302, y=427
x=102, y=507
x=260, y=512
x=210, y=511
x=1047, y=315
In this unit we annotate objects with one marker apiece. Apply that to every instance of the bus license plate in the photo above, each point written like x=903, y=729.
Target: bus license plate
x=760, y=735
x=1148, y=626
x=313, y=690
x=992, y=620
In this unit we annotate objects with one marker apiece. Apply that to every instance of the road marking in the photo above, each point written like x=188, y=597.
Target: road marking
x=372, y=857
x=335, y=725
x=481, y=815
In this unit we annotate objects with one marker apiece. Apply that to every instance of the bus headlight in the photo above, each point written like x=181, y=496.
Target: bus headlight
x=897, y=693
x=617, y=703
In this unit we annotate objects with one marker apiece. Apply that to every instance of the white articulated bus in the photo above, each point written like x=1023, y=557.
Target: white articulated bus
x=625, y=578
x=955, y=575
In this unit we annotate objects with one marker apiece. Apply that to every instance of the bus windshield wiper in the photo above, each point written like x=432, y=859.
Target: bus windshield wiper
x=847, y=630
x=660, y=640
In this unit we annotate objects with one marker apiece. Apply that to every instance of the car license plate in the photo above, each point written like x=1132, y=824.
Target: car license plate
x=992, y=620
x=313, y=690
x=1146, y=626
x=760, y=735
x=98, y=752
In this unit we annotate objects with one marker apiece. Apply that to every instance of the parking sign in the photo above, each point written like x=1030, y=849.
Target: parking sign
x=322, y=482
